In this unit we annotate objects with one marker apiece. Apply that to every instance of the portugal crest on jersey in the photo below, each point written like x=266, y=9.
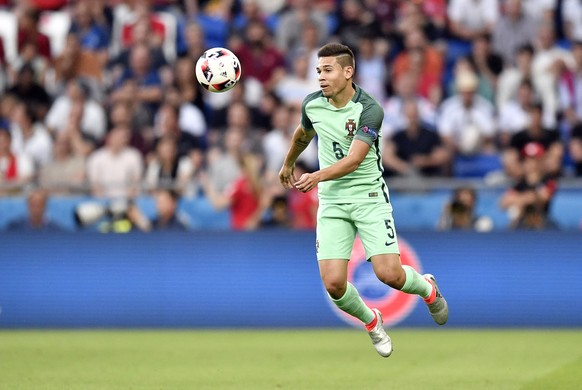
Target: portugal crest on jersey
x=350, y=128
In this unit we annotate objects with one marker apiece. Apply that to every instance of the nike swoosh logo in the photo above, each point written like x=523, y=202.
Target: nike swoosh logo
x=388, y=244
x=315, y=122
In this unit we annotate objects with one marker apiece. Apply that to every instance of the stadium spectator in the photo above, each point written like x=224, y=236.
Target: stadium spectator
x=141, y=36
x=245, y=199
x=135, y=118
x=394, y=118
x=572, y=17
x=488, y=65
x=308, y=46
x=36, y=220
x=16, y=170
x=30, y=136
x=27, y=89
x=540, y=11
x=192, y=104
x=414, y=150
x=276, y=142
x=513, y=30
x=513, y=114
x=466, y=120
x=512, y=76
x=549, y=139
x=190, y=118
x=7, y=103
x=130, y=13
x=28, y=32
x=548, y=63
x=48, y=5
x=468, y=19
x=222, y=161
x=165, y=169
x=278, y=214
x=77, y=96
x=167, y=124
x=115, y=170
x=250, y=12
x=428, y=16
x=295, y=85
x=192, y=36
x=66, y=173
x=167, y=217
x=424, y=62
x=218, y=116
x=28, y=55
x=575, y=148
x=571, y=88
x=292, y=21
x=372, y=71
x=259, y=57
x=92, y=36
x=75, y=63
x=529, y=199
x=302, y=205
x=459, y=212
x=355, y=20
x=214, y=18
x=139, y=83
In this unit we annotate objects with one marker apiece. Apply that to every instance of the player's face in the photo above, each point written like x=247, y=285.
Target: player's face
x=333, y=79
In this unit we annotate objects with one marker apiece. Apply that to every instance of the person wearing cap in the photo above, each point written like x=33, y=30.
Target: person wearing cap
x=534, y=191
x=535, y=132
x=466, y=120
x=16, y=170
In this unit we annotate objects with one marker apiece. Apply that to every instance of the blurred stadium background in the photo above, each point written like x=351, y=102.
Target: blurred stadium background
x=132, y=200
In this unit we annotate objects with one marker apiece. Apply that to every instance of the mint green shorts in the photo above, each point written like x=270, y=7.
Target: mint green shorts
x=338, y=224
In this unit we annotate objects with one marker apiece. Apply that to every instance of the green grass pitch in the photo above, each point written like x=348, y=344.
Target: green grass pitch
x=290, y=359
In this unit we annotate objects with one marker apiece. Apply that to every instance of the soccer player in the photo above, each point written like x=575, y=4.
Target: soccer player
x=353, y=197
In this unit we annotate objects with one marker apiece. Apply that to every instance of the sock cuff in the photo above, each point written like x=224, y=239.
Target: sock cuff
x=347, y=295
x=409, y=271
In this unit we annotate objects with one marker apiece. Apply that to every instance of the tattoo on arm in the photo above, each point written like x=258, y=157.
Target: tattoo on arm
x=301, y=143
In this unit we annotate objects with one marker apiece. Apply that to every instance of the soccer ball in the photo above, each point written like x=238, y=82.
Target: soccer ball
x=218, y=69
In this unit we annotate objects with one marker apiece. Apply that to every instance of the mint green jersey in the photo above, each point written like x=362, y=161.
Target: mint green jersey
x=336, y=128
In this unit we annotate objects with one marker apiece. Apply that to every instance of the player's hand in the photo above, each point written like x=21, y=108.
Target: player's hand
x=307, y=182
x=286, y=176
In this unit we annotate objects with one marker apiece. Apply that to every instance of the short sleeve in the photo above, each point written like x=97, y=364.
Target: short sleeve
x=305, y=121
x=370, y=124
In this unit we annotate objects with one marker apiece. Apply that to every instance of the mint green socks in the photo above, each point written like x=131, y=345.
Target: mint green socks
x=352, y=304
x=416, y=283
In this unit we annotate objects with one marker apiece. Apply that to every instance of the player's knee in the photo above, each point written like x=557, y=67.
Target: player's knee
x=392, y=276
x=335, y=288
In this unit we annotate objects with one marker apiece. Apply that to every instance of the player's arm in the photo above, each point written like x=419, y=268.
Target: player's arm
x=300, y=140
x=358, y=151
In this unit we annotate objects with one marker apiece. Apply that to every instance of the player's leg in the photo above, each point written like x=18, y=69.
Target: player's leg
x=335, y=238
x=389, y=270
x=343, y=294
x=376, y=227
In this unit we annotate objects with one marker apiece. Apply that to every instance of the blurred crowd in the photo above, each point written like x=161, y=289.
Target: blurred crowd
x=99, y=97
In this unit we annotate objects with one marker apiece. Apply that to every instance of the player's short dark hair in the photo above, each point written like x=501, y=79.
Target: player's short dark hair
x=344, y=53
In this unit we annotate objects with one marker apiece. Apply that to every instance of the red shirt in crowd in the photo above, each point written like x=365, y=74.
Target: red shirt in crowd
x=303, y=207
x=260, y=65
x=245, y=203
x=42, y=42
